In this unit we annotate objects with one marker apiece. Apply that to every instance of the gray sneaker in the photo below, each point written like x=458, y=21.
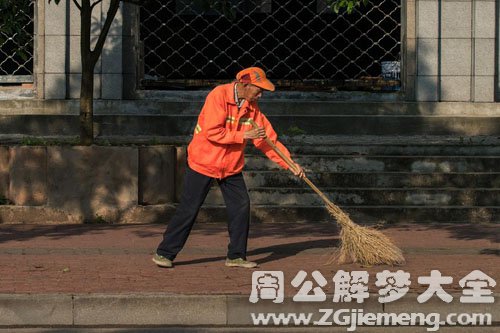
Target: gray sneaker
x=162, y=261
x=239, y=262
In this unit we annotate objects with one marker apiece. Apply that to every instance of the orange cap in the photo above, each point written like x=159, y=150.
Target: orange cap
x=255, y=76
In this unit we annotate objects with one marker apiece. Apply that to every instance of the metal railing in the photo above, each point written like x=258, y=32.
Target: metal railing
x=301, y=44
x=16, y=44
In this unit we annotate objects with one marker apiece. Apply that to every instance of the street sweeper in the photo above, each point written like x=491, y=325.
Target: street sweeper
x=229, y=118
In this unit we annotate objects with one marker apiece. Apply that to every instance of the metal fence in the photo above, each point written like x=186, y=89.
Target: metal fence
x=16, y=41
x=301, y=44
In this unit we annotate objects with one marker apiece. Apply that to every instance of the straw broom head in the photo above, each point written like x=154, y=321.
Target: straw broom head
x=363, y=245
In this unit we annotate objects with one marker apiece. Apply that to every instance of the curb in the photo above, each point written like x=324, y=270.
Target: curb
x=194, y=310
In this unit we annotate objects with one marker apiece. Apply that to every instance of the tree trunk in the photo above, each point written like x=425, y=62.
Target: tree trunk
x=87, y=107
x=87, y=83
x=89, y=60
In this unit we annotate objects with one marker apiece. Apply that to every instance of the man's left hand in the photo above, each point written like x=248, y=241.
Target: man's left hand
x=298, y=171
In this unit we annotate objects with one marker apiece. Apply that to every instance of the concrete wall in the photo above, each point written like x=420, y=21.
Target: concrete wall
x=451, y=50
x=58, y=65
x=54, y=184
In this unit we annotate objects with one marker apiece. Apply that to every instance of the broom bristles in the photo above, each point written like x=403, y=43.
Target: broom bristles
x=363, y=245
x=359, y=244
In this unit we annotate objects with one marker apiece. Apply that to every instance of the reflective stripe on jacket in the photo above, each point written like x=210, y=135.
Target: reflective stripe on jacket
x=217, y=147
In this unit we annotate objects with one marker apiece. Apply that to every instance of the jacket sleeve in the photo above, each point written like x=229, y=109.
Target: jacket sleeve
x=262, y=145
x=214, y=122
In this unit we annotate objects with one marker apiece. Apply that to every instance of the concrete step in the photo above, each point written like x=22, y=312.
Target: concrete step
x=377, y=197
x=183, y=124
x=384, y=145
x=392, y=140
x=279, y=179
x=352, y=144
x=267, y=214
x=155, y=102
x=391, y=150
x=415, y=164
x=314, y=145
x=360, y=214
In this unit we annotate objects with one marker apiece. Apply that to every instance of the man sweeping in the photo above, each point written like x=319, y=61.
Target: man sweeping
x=217, y=152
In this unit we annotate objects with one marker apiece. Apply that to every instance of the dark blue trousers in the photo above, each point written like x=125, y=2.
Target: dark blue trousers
x=194, y=192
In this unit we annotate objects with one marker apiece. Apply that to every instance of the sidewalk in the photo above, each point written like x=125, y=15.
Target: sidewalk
x=111, y=264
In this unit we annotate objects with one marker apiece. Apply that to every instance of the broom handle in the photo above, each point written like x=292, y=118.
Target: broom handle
x=291, y=165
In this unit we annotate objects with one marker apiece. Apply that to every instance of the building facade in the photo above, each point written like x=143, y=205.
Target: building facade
x=392, y=110
x=445, y=51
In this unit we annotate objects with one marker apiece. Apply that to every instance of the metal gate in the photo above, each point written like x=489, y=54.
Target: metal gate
x=16, y=43
x=301, y=44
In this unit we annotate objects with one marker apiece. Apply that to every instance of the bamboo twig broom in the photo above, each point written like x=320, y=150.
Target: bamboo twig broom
x=359, y=244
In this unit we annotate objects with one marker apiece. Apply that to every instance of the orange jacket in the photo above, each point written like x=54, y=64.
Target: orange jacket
x=217, y=147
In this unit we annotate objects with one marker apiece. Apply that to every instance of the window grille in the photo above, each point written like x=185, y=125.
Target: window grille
x=16, y=45
x=300, y=44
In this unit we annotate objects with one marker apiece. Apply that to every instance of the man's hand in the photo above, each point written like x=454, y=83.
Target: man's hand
x=255, y=133
x=298, y=171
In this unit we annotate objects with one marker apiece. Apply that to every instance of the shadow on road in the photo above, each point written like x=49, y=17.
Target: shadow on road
x=275, y=252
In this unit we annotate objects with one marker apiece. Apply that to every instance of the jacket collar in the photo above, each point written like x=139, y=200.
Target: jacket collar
x=230, y=97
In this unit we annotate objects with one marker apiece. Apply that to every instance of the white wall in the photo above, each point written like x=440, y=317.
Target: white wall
x=61, y=61
x=455, y=50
